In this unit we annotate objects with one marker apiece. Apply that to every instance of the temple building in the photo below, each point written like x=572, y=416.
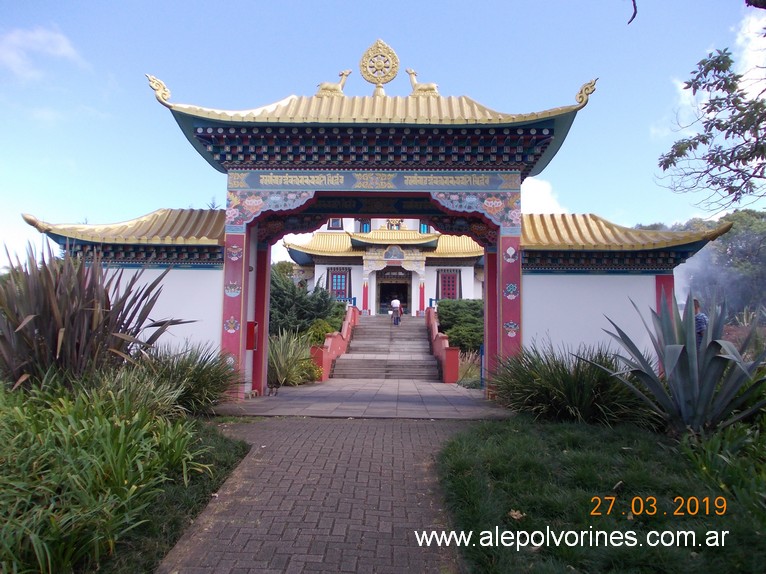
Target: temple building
x=415, y=196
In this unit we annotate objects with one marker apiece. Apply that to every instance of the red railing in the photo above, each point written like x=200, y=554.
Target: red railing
x=448, y=357
x=335, y=344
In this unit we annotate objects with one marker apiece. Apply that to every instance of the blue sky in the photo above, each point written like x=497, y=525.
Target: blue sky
x=84, y=140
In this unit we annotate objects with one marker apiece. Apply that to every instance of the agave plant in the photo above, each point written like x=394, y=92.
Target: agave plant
x=692, y=388
x=72, y=316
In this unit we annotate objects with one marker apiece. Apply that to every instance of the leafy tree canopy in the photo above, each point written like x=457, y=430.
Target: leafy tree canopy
x=727, y=156
x=293, y=308
x=733, y=267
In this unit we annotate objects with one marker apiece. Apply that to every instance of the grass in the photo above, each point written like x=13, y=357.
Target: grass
x=526, y=475
x=469, y=372
x=145, y=546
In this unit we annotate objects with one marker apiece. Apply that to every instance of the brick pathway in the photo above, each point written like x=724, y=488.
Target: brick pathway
x=325, y=495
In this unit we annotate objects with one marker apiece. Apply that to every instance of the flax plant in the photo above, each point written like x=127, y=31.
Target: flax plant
x=289, y=360
x=74, y=316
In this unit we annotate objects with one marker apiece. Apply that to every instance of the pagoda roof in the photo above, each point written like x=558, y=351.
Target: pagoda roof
x=411, y=110
x=161, y=227
x=333, y=243
x=589, y=232
x=561, y=232
x=415, y=110
x=398, y=236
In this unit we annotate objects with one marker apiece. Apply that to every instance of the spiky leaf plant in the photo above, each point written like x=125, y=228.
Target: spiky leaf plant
x=692, y=389
x=562, y=385
x=289, y=360
x=73, y=316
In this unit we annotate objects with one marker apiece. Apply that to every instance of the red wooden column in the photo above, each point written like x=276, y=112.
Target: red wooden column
x=509, y=294
x=365, y=296
x=491, y=318
x=422, y=297
x=262, y=295
x=235, y=286
x=664, y=284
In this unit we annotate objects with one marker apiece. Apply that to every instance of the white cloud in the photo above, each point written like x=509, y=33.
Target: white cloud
x=750, y=51
x=278, y=251
x=46, y=115
x=20, y=49
x=537, y=196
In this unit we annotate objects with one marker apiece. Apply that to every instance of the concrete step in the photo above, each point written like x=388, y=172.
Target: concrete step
x=381, y=350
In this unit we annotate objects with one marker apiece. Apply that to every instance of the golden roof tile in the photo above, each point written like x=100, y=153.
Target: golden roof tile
x=566, y=232
x=342, y=109
x=161, y=227
x=588, y=232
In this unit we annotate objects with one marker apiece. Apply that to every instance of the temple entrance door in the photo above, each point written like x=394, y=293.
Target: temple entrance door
x=393, y=282
x=390, y=291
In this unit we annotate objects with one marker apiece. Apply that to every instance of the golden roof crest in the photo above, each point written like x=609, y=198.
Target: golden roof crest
x=379, y=65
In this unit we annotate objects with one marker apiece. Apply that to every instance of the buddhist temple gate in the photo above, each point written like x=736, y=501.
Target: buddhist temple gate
x=447, y=160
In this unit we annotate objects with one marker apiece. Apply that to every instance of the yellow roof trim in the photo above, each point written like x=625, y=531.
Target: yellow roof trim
x=331, y=243
x=565, y=232
x=588, y=232
x=430, y=109
x=161, y=227
x=394, y=236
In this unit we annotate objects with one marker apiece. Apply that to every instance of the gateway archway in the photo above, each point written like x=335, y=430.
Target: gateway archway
x=447, y=160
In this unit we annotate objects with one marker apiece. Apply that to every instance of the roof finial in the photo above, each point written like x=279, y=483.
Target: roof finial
x=161, y=91
x=585, y=91
x=379, y=66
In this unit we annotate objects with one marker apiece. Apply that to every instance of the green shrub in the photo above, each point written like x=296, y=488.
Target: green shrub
x=456, y=312
x=72, y=316
x=565, y=386
x=289, y=359
x=79, y=469
x=469, y=336
x=200, y=371
x=462, y=320
x=143, y=548
x=293, y=308
x=318, y=330
x=313, y=372
x=733, y=459
x=692, y=389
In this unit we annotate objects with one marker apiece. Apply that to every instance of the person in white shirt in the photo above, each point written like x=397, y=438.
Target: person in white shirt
x=396, y=307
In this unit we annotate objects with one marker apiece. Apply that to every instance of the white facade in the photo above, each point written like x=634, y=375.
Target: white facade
x=572, y=310
x=564, y=310
x=190, y=295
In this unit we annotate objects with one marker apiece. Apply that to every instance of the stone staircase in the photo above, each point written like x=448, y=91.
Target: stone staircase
x=381, y=350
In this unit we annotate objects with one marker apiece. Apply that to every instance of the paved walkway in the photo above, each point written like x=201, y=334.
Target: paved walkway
x=325, y=495
x=375, y=398
x=338, y=479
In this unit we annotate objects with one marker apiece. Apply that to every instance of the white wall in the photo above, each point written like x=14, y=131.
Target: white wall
x=470, y=287
x=572, y=309
x=192, y=295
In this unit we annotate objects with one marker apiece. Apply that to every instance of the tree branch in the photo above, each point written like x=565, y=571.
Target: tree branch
x=635, y=12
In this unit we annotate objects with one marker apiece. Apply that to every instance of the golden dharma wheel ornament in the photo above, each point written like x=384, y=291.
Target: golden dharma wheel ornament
x=379, y=65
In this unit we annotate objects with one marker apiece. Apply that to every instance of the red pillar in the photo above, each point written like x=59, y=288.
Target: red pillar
x=262, y=295
x=235, y=283
x=491, y=322
x=422, y=289
x=664, y=284
x=365, y=296
x=509, y=294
